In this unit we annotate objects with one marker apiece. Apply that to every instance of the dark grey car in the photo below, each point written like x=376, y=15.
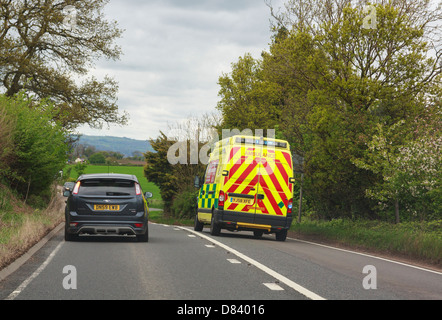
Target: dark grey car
x=107, y=204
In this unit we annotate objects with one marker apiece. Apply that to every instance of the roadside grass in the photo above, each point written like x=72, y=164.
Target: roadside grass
x=160, y=218
x=415, y=240
x=22, y=226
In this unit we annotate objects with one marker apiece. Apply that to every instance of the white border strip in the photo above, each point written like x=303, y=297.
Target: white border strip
x=309, y=294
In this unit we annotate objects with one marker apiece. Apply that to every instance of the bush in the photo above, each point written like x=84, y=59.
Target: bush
x=184, y=204
x=39, y=145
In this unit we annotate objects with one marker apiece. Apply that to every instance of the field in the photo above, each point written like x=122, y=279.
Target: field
x=155, y=202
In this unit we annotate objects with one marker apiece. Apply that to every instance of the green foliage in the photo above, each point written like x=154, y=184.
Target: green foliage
x=80, y=169
x=41, y=55
x=184, y=204
x=159, y=171
x=330, y=85
x=39, y=146
x=97, y=158
x=174, y=181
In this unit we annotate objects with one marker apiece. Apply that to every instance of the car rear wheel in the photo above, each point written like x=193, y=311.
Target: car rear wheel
x=143, y=237
x=69, y=237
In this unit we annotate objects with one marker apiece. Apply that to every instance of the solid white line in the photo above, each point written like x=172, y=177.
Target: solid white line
x=25, y=283
x=282, y=279
x=370, y=256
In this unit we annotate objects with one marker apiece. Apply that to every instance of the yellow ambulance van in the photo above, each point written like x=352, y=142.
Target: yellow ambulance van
x=248, y=185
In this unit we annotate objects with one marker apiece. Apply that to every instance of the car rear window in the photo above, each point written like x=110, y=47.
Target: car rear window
x=107, y=187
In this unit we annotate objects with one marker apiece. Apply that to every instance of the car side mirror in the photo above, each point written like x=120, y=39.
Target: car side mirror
x=196, y=182
x=66, y=193
x=148, y=195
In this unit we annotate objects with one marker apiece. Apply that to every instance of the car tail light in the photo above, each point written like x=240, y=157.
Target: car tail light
x=221, y=199
x=138, y=225
x=290, y=207
x=76, y=188
x=137, y=189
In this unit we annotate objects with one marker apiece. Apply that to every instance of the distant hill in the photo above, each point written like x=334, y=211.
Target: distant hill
x=124, y=146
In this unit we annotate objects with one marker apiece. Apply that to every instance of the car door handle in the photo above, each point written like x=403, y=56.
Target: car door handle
x=211, y=192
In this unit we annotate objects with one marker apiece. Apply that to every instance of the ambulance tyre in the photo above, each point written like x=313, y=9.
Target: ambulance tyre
x=281, y=235
x=198, y=225
x=257, y=234
x=215, y=229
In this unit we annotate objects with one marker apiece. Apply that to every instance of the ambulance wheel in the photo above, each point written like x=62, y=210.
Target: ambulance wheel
x=198, y=225
x=281, y=235
x=215, y=229
x=258, y=234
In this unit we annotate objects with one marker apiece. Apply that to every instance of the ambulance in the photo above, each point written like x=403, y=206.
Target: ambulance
x=248, y=186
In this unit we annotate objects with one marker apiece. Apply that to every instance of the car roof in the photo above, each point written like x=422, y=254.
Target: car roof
x=108, y=176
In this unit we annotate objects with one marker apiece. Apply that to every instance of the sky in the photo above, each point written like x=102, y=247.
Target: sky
x=174, y=51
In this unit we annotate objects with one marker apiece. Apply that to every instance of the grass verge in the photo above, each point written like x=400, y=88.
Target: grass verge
x=21, y=227
x=161, y=218
x=420, y=241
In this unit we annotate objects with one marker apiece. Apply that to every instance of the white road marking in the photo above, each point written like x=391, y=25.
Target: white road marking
x=210, y=246
x=273, y=286
x=191, y=236
x=25, y=283
x=234, y=261
x=282, y=279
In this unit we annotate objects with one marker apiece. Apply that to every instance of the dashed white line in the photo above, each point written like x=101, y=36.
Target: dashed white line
x=282, y=279
x=273, y=286
x=234, y=261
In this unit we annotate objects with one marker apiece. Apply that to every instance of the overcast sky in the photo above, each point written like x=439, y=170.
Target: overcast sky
x=174, y=51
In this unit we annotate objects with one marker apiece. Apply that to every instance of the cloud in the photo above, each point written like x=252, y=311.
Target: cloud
x=174, y=51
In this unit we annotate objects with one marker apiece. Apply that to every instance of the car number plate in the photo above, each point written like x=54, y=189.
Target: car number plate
x=106, y=207
x=241, y=201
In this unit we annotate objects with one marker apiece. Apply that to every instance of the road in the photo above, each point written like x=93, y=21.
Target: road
x=180, y=264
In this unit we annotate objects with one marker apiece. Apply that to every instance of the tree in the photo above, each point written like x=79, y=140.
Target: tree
x=248, y=101
x=159, y=171
x=409, y=167
x=97, y=158
x=46, y=49
x=334, y=80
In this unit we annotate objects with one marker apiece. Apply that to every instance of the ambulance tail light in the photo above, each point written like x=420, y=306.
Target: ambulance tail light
x=221, y=199
x=290, y=207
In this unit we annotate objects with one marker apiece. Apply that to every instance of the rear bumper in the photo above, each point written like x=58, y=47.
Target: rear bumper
x=236, y=220
x=124, y=225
